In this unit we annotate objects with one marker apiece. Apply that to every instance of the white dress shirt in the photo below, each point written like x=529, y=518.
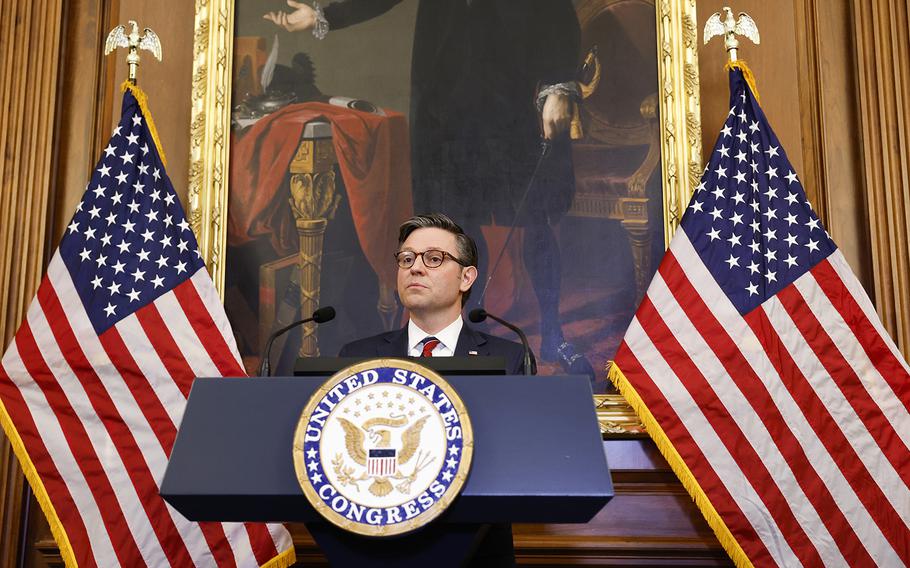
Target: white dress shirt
x=448, y=339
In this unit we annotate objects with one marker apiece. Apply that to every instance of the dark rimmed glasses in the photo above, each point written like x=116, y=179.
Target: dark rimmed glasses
x=432, y=258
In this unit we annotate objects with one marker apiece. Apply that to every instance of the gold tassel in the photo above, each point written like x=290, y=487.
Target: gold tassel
x=576, y=131
x=144, y=107
x=283, y=560
x=34, y=480
x=747, y=73
x=679, y=467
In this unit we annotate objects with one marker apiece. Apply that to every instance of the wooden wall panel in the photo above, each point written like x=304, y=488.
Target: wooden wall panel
x=829, y=110
x=92, y=117
x=91, y=91
x=881, y=28
x=29, y=47
x=83, y=114
x=811, y=95
x=773, y=63
x=28, y=54
x=167, y=83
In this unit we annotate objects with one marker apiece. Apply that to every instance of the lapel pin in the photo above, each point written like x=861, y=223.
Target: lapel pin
x=472, y=352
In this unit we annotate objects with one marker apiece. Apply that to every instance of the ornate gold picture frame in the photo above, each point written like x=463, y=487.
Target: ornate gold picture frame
x=676, y=105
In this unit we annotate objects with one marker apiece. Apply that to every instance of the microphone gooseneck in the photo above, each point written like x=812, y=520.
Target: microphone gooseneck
x=477, y=315
x=321, y=315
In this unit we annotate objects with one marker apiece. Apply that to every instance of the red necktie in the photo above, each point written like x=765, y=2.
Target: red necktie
x=429, y=344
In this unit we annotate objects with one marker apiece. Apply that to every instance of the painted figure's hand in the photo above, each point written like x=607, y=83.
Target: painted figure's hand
x=302, y=18
x=556, y=115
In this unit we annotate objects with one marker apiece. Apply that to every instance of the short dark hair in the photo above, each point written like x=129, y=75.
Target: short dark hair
x=466, y=247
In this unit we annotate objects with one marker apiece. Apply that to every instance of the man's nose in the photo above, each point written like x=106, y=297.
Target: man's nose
x=418, y=267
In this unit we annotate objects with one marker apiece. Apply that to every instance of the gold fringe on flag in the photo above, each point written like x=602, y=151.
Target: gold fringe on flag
x=144, y=107
x=38, y=489
x=747, y=73
x=679, y=467
x=283, y=560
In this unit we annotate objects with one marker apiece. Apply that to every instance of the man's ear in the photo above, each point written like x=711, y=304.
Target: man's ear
x=468, y=276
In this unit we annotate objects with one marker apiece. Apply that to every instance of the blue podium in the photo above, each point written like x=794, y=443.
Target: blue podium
x=538, y=458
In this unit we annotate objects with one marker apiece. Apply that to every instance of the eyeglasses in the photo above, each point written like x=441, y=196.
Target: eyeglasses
x=432, y=258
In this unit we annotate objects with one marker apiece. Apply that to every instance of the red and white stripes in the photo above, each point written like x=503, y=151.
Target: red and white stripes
x=793, y=418
x=98, y=417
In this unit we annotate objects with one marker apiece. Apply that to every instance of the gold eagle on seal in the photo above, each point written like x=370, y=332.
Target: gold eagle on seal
x=380, y=457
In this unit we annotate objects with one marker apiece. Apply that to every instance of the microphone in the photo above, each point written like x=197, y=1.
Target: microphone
x=478, y=315
x=321, y=315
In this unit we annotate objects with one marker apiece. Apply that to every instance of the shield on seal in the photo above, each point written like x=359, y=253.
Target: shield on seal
x=382, y=462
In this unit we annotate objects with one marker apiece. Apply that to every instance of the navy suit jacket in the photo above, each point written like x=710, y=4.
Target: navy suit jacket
x=395, y=344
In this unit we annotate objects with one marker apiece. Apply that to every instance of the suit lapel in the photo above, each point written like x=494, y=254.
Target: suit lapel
x=394, y=344
x=470, y=340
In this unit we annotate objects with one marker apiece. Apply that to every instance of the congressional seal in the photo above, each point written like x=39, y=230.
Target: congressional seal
x=383, y=447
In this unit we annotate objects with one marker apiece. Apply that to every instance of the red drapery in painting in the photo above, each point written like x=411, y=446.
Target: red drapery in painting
x=373, y=155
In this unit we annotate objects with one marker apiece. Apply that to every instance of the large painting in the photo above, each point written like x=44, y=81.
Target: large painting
x=330, y=140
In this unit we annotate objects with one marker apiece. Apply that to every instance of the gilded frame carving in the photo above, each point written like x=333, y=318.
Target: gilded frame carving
x=680, y=135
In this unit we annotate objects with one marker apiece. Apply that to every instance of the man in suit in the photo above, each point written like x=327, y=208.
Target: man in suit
x=437, y=265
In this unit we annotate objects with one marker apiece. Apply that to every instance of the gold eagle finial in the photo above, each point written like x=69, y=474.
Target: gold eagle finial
x=730, y=27
x=148, y=41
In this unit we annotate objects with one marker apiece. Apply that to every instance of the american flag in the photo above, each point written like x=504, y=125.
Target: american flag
x=761, y=370
x=95, y=382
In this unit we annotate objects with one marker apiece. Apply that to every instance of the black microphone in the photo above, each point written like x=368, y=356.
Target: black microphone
x=477, y=315
x=321, y=315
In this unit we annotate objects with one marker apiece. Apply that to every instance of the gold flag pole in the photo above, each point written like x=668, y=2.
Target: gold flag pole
x=134, y=42
x=730, y=27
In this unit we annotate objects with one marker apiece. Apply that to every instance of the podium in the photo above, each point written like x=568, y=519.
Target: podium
x=538, y=458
